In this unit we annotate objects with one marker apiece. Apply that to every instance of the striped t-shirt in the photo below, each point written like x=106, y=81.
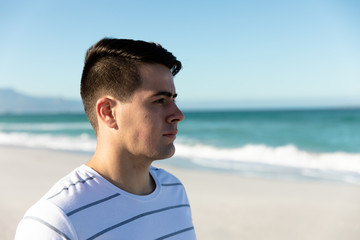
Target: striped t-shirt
x=84, y=205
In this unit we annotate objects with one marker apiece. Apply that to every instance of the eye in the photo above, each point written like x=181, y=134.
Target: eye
x=161, y=100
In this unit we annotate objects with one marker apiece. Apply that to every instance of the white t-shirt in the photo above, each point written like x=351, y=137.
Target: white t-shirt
x=84, y=205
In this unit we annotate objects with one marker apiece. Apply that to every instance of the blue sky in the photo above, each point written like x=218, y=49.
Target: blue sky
x=235, y=53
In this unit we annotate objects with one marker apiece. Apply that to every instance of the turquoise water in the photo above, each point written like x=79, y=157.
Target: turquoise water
x=311, y=144
x=319, y=131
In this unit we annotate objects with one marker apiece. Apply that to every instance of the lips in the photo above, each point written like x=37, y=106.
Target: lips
x=171, y=134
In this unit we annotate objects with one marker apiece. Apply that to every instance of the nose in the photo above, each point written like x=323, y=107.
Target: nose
x=176, y=115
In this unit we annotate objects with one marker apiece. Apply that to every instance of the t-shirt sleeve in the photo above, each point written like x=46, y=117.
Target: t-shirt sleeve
x=45, y=221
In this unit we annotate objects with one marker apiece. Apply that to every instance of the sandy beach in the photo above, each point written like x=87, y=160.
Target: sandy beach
x=224, y=206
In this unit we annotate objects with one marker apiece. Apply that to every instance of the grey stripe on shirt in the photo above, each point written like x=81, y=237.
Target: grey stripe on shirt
x=134, y=218
x=72, y=184
x=175, y=233
x=49, y=226
x=92, y=204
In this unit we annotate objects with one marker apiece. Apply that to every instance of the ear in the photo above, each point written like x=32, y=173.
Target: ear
x=105, y=109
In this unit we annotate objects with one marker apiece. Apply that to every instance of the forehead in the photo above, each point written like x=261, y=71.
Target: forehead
x=156, y=77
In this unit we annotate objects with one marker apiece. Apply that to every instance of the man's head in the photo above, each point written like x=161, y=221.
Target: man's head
x=112, y=68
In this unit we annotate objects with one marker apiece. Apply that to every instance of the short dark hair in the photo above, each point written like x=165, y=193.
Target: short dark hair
x=111, y=68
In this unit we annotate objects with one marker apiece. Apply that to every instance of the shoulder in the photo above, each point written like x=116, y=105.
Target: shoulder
x=78, y=181
x=81, y=187
x=45, y=221
x=51, y=214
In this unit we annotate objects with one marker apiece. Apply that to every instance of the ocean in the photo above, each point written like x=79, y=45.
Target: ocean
x=312, y=145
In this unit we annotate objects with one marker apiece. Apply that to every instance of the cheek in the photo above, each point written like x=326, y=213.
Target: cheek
x=151, y=125
x=153, y=129
x=143, y=126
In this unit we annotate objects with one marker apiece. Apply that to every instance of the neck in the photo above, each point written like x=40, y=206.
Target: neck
x=129, y=174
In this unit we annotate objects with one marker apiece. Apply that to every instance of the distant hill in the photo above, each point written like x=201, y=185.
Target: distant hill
x=12, y=101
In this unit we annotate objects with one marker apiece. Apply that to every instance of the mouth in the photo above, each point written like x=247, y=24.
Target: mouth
x=171, y=134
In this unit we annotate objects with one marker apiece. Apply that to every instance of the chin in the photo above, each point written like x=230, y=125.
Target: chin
x=168, y=153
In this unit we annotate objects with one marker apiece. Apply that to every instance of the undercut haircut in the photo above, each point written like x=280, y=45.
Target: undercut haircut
x=112, y=68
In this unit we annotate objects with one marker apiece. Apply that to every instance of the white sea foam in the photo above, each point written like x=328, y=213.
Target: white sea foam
x=284, y=156
x=249, y=158
x=77, y=143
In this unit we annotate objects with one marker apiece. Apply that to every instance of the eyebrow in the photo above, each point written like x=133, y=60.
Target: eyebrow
x=166, y=93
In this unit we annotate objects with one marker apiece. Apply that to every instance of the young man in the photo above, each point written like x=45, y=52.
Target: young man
x=128, y=94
